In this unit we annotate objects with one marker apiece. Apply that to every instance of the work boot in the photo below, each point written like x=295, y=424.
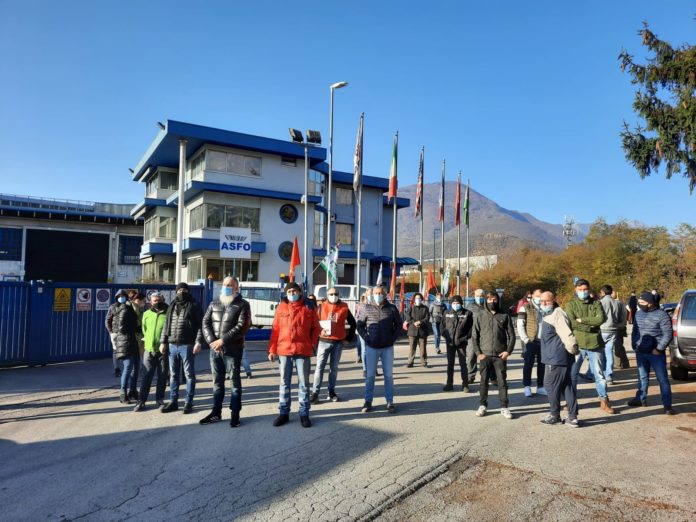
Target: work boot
x=169, y=407
x=188, y=408
x=304, y=420
x=605, y=406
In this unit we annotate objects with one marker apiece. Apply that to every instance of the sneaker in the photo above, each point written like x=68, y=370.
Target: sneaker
x=447, y=387
x=169, y=407
x=139, y=407
x=210, y=419
x=304, y=420
x=636, y=402
x=391, y=408
x=334, y=398
x=281, y=419
x=527, y=391
x=505, y=412
x=481, y=411
x=438, y=351
x=572, y=423
x=234, y=420
x=188, y=408
x=314, y=398
x=123, y=399
x=367, y=407
x=541, y=391
x=465, y=388
x=249, y=376
x=550, y=420
x=670, y=411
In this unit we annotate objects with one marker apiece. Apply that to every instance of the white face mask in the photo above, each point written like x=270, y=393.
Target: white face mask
x=379, y=298
x=333, y=299
x=418, y=302
x=293, y=297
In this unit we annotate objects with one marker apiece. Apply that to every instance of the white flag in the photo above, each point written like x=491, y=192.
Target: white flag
x=379, y=276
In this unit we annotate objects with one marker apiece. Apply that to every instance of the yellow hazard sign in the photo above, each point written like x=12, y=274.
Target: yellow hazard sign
x=61, y=299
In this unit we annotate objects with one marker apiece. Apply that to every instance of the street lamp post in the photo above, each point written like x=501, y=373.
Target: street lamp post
x=332, y=88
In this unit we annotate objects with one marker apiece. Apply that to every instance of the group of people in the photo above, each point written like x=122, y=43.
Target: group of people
x=479, y=335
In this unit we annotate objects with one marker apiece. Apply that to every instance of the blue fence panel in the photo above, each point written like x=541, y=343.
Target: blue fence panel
x=14, y=314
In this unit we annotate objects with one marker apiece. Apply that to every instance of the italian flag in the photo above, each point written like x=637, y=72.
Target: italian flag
x=392, y=172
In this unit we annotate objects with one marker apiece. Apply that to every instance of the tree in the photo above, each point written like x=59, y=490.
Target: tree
x=666, y=102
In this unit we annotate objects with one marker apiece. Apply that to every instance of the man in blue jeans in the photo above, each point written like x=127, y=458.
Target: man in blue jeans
x=652, y=333
x=379, y=325
x=181, y=338
x=615, y=313
x=437, y=312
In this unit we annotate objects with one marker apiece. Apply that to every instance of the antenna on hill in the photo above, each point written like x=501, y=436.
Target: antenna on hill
x=568, y=230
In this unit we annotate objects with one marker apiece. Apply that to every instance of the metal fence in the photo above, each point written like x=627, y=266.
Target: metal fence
x=51, y=322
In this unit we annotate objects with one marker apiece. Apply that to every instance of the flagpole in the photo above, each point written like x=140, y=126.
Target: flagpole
x=459, y=234
x=395, y=159
x=422, y=182
x=442, y=228
x=358, y=250
x=468, y=191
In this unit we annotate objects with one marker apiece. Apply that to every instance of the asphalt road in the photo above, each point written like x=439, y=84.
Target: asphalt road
x=70, y=451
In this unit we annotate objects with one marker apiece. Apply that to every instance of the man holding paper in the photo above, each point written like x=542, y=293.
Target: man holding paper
x=333, y=315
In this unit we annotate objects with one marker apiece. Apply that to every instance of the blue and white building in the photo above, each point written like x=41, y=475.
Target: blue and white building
x=255, y=183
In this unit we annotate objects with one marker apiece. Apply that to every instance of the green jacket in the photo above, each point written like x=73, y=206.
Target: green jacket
x=592, y=316
x=153, y=323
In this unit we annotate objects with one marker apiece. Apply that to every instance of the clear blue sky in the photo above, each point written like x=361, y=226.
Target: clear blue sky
x=526, y=98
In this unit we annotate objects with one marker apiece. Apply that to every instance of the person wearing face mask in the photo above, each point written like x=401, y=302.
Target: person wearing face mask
x=153, y=360
x=380, y=325
x=652, y=333
x=493, y=337
x=333, y=315
x=586, y=316
x=437, y=310
x=475, y=307
x=558, y=350
x=226, y=321
x=529, y=330
x=294, y=335
x=615, y=313
x=125, y=324
x=456, y=331
x=416, y=320
x=181, y=339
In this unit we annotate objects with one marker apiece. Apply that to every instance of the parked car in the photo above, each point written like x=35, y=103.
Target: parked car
x=683, y=347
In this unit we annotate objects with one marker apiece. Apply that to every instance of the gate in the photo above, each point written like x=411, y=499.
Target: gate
x=51, y=322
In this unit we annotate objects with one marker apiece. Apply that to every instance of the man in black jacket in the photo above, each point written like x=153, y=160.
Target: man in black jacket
x=125, y=324
x=493, y=338
x=457, y=329
x=379, y=324
x=224, y=325
x=181, y=337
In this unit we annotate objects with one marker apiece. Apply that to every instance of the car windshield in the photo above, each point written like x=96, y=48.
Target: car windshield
x=689, y=311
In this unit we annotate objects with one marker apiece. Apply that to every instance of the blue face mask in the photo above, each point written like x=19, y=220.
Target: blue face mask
x=456, y=307
x=122, y=300
x=293, y=297
x=227, y=291
x=546, y=309
x=583, y=294
x=536, y=300
x=479, y=300
x=379, y=298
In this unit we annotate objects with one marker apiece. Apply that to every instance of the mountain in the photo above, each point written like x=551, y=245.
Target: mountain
x=492, y=227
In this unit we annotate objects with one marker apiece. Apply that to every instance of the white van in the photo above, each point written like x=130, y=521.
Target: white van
x=347, y=293
x=263, y=299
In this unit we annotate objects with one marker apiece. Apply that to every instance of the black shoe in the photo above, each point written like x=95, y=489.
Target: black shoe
x=234, y=420
x=334, y=398
x=281, y=419
x=438, y=351
x=391, y=408
x=367, y=407
x=550, y=420
x=306, y=423
x=188, y=408
x=169, y=407
x=465, y=388
x=139, y=407
x=134, y=395
x=447, y=387
x=670, y=411
x=210, y=418
x=635, y=402
x=249, y=376
x=409, y=365
x=123, y=399
x=314, y=398
x=472, y=380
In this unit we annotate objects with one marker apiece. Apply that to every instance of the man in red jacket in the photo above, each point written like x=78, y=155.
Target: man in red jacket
x=333, y=315
x=294, y=335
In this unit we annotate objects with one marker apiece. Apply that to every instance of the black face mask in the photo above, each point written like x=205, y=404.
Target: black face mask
x=183, y=296
x=159, y=306
x=493, y=307
x=645, y=308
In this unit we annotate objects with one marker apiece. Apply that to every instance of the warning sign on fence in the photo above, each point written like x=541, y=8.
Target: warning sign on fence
x=61, y=299
x=83, y=299
x=103, y=299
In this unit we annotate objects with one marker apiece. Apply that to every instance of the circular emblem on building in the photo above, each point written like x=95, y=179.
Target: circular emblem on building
x=285, y=250
x=288, y=213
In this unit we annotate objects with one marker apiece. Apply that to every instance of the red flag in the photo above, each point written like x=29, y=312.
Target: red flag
x=431, y=280
x=392, y=171
x=401, y=296
x=457, y=200
x=441, y=209
x=294, y=259
x=358, y=158
x=392, y=284
x=419, y=187
x=453, y=289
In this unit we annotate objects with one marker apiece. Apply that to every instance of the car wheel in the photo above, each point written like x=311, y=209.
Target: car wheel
x=679, y=374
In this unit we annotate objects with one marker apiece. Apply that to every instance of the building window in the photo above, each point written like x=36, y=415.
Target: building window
x=159, y=227
x=232, y=163
x=196, y=166
x=319, y=228
x=244, y=270
x=344, y=233
x=285, y=251
x=288, y=162
x=168, y=180
x=194, y=268
x=129, y=250
x=316, y=183
x=11, y=244
x=344, y=196
x=215, y=216
x=288, y=213
x=151, y=186
x=158, y=272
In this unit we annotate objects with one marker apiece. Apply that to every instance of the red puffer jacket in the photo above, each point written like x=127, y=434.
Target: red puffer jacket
x=295, y=329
